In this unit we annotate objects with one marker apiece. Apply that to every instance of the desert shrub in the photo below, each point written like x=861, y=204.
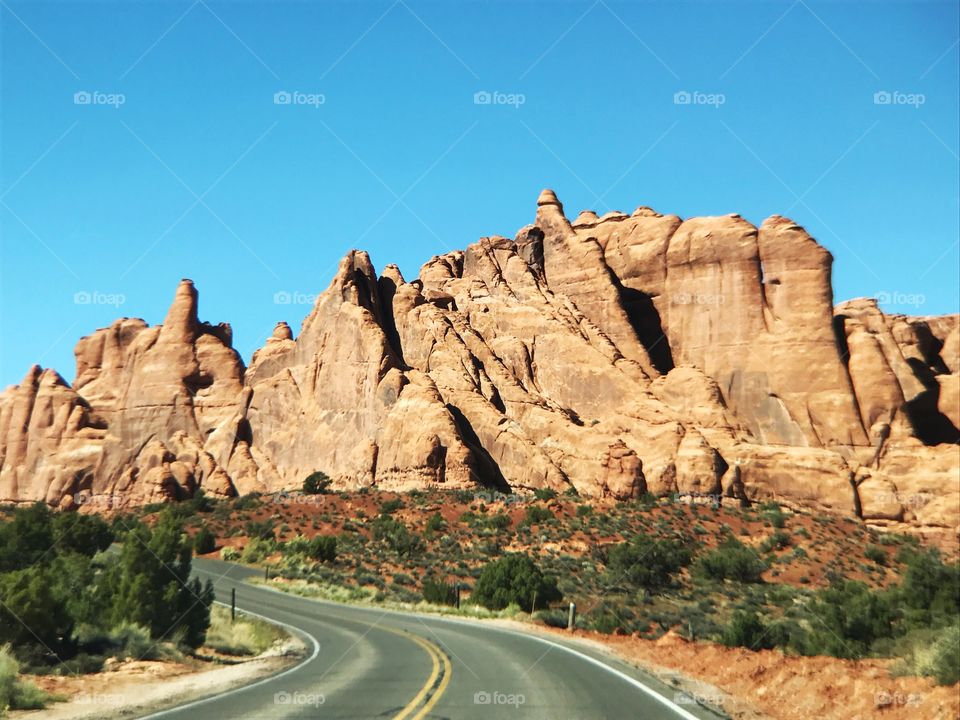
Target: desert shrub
x=930, y=592
x=435, y=524
x=500, y=521
x=260, y=529
x=514, y=578
x=316, y=483
x=230, y=554
x=537, y=514
x=16, y=693
x=876, y=554
x=204, y=542
x=645, y=562
x=396, y=535
x=438, y=592
x=257, y=550
x=244, y=636
x=732, y=560
x=777, y=541
x=552, y=618
x=389, y=507
x=944, y=663
x=545, y=494
x=133, y=641
x=851, y=618
x=250, y=501
x=323, y=548
x=746, y=629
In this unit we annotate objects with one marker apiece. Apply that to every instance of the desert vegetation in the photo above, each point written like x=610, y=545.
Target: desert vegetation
x=758, y=577
x=68, y=603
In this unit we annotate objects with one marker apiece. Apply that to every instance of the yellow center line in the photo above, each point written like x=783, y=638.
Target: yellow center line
x=447, y=672
x=436, y=658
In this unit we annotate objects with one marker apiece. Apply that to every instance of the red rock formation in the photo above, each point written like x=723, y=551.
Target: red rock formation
x=614, y=355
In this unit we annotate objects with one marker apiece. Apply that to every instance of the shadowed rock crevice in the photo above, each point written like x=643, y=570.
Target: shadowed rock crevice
x=487, y=473
x=645, y=319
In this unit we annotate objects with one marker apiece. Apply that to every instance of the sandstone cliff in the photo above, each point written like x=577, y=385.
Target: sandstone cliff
x=614, y=355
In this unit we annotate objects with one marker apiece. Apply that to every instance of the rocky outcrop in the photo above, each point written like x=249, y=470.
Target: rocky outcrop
x=612, y=355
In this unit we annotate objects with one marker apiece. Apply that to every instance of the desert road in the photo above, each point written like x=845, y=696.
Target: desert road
x=367, y=663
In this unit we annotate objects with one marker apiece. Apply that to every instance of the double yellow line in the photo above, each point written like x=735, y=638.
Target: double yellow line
x=441, y=669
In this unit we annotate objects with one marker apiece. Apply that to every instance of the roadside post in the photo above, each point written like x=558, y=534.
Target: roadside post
x=233, y=604
x=572, y=616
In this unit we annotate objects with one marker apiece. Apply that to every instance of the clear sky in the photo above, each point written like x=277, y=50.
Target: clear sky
x=178, y=162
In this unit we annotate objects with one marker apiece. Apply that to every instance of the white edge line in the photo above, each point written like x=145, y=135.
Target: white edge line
x=663, y=699
x=271, y=678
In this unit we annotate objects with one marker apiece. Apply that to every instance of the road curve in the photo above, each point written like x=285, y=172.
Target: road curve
x=367, y=663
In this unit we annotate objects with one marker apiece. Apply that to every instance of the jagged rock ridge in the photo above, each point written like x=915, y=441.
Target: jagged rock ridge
x=615, y=355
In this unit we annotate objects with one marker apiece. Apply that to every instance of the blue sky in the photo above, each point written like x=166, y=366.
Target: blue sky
x=182, y=165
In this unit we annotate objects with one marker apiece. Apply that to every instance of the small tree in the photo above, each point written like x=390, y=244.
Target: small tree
x=204, y=542
x=646, y=562
x=514, y=578
x=323, y=548
x=438, y=592
x=731, y=561
x=317, y=483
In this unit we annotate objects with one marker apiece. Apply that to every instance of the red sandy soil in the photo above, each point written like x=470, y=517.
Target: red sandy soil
x=768, y=684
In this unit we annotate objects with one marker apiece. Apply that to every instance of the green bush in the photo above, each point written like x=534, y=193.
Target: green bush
x=389, y=507
x=17, y=694
x=944, y=665
x=545, y=494
x=204, y=542
x=647, y=563
x=514, y=578
x=746, y=629
x=260, y=529
x=438, y=592
x=732, y=560
x=777, y=541
x=435, y=524
x=851, y=618
x=396, y=535
x=876, y=554
x=537, y=514
x=230, y=554
x=316, y=483
x=323, y=548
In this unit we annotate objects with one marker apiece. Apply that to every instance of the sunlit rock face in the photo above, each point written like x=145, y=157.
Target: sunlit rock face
x=612, y=355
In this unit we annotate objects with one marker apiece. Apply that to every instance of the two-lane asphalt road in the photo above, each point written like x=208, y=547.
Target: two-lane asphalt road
x=368, y=663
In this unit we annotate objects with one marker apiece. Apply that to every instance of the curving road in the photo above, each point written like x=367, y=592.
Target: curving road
x=368, y=663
